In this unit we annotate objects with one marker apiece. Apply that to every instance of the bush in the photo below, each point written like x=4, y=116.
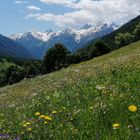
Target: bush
x=123, y=39
x=13, y=74
x=101, y=48
x=137, y=32
x=56, y=58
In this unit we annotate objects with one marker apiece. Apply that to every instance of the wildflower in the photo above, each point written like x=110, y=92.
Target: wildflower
x=45, y=123
x=116, y=125
x=37, y=114
x=54, y=112
x=132, y=108
x=42, y=116
x=48, y=118
x=29, y=129
x=64, y=108
x=130, y=126
x=91, y=108
x=22, y=133
x=99, y=87
x=24, y=125
x=28, y=123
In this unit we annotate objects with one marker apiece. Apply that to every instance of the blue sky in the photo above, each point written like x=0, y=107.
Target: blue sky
x=19, y=16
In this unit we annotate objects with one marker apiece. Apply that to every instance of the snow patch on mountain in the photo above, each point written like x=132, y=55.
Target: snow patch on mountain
x=38, y=42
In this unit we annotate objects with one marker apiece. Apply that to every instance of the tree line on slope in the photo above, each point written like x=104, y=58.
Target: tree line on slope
x=55, y=58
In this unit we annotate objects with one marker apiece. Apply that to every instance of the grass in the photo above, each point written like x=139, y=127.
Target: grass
x=81, y=102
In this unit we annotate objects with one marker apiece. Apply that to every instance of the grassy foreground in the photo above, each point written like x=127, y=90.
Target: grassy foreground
x=94, y=100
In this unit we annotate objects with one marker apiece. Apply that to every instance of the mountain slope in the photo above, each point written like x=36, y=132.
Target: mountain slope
x=126, y=28
x=83, y=101
x=10, y=48
x=110, y=38
x=39, y=42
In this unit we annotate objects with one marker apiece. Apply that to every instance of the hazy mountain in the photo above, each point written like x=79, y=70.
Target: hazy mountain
x=10, y=48
x=38, y=42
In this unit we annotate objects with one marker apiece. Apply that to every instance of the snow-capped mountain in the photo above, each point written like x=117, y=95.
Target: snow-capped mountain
x=39, y=42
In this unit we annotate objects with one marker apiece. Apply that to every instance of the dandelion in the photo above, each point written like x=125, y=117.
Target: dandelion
x=54, y=112
x=132, y=108
x=28, y=123
x=37, y=114
x=48, y=118
x=22, y=133
x=64, y=108
x=45, y=123
x=91, y=108
x=29, y=129
x=24, y=125
x=116, y=125
x=42, y=116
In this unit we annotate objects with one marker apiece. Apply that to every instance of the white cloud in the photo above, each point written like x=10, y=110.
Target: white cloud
x=91, y=11
x=20, y=2
x=67, y=3
x=33, y=8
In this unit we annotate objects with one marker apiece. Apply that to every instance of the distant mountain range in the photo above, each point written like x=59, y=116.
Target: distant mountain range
x=10, y=48
x=39, y=42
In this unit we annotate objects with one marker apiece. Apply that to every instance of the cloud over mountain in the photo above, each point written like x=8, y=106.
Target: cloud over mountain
x=89, y=11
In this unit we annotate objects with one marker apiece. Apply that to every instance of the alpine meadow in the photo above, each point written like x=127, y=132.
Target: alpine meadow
x=73, y=71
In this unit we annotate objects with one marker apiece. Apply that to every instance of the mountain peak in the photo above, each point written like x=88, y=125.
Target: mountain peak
x=86, y=26
x=68, y=30
x=49, y=31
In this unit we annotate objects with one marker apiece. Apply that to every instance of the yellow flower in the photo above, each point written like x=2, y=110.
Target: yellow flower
x=24, y=125
x=91, y=108
x=28, y=123
x=48, y=118
x=116, y=125
x=45, y=123
x=133, y=108
x=42, y=116
x=64, y=108
x=29, y=129
x=22, y=133
x=37, y=114
x=54, y=112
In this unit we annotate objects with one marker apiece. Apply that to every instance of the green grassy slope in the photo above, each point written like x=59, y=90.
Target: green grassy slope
x=87, y=98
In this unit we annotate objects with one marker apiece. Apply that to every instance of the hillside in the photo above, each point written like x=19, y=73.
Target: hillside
x=125, y=35
x=89, y=100
x=10, y=48
x=126, y=28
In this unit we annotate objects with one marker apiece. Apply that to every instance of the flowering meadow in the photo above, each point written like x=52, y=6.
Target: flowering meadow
x=94, y=100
